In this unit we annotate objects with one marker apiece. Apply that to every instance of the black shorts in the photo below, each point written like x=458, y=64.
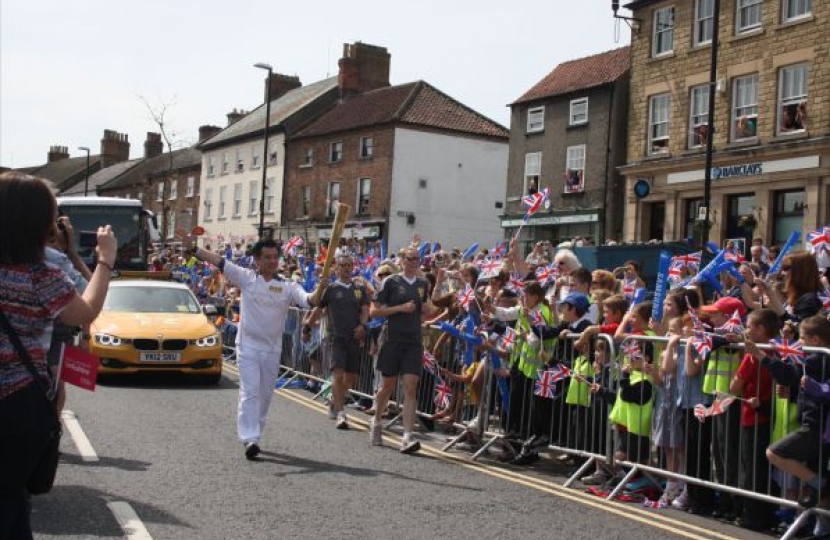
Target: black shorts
x=804, y=445
x=345, y=354
x=397, y=358
x=635, y=447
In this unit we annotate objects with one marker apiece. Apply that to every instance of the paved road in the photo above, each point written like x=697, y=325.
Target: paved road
x=168, y=449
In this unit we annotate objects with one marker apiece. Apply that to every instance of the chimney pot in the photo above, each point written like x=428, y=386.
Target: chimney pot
x=208, y=131
x=280, y=85
x=57, y=153
x=115, y=148
x=363, y=68
x=152, y=145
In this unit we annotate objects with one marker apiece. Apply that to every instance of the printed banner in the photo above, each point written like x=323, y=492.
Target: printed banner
x=662, y=286
x=79, y=368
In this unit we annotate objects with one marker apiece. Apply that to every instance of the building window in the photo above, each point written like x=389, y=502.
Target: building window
x=737, y=207
x=745, y=108
x=579, y=112
x=308, y=157
x=367, y=147
x=225, y=163
x=364, y=190
x=240, y=160
x=191, y=186
x=663, y=37
x=223, y=192
x=269, y=196
x=333, y=198
x=792, y=99
x=305, y=200
x=272, y=153
x=336, y=152
x=237, y=200
x=256, y=156
x=699, y=116
x=533, y=170
x=536, y=119
x=796, y=9
x=749, y=15
x=704, y=17
x=253, y=198
x=658, y=124
x=211, y=166
x=208, y=204
x=692, y=208
x=160, y=192
x=174, y=190
x=575, y=169
x=788, y=215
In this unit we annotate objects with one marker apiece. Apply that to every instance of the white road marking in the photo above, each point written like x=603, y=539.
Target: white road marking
x=70, y=421
x=128, y=519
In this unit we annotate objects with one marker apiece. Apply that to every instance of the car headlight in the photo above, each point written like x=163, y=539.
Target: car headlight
x=207, y=341
x=108, y=340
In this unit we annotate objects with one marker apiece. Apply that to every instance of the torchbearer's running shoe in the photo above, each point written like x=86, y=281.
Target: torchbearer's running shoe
x=410, y=445
x=251, y=450
x=376, y=432
x=341, y=422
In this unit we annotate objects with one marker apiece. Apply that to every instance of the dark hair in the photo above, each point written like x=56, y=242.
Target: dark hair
x=534, y=288
x=582, y=275
x=27, y=217
x=642, y=310
x=262, y=244
x=816, y=326
x=616, y=303
x=768, y=319
x=680, y=299
x=803, y=276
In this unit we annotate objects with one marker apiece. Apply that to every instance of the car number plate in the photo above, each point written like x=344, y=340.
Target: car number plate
x=160, y=357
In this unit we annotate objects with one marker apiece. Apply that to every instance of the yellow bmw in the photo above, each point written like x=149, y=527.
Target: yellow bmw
x=149, y=325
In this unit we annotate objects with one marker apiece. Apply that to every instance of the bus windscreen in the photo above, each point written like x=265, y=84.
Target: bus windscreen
x=126, y=225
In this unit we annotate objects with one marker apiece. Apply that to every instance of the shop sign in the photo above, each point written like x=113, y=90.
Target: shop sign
x=552, y=220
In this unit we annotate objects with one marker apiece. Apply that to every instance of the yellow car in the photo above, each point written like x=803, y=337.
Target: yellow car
x=149, y=325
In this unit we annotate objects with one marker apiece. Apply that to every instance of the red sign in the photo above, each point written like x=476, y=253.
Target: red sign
x=79, y=368
x=198, y=230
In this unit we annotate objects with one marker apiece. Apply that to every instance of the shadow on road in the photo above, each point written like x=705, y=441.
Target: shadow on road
x=116, y=463
x=310, y=466
x=172, y=381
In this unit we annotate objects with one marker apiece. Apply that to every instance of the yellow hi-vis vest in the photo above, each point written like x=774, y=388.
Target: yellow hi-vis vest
x=526, y=355
x=634, y=417
x=720, y=370
x=579, y=393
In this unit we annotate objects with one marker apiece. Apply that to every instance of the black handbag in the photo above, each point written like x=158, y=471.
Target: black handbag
x=43, y=476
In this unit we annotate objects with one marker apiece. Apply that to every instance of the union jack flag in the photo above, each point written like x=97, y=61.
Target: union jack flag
x=702, y=343
x=500, y=249
x=507, y=339
x=545, y=385
x=733, y=325
x=629, y=289
x=697, y=326
x=546, y=275
x=490, y=267
x=466, y=296
x=515, y=284
x=429, y=363
x=632, y=349
x=443, y=393
x=825, y=299
x=701, y=412
x=818, y=241
x=680, y=262
x=789, y=351
x=532, y=203
x=291, y=246
x=535, y=318
x=370, y=260
x=721, y=403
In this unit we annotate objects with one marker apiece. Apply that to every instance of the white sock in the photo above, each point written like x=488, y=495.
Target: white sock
x=407, y=436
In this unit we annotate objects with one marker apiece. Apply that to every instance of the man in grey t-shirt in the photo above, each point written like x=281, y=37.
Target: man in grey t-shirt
x=401, y=299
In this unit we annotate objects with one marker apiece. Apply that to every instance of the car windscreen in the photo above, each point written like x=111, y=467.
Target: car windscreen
x=144, y=299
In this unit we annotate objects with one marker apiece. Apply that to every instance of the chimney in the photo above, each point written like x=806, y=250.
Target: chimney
x=115, y=148
x=153, y=146
x=235, y=115
x=57, y=153
x=363, y=68
x=281, y=85
x=206, y=132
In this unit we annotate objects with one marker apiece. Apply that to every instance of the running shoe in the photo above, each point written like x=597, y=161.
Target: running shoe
x=410, y=445
x=251, y=450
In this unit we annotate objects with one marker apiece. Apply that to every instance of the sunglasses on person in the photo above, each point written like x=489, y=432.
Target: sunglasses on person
x=410, y=259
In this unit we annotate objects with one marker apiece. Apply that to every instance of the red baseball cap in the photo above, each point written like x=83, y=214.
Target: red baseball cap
x=726, y=305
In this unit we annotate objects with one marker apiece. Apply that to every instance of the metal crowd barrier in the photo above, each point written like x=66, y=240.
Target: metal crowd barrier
x=707, y=455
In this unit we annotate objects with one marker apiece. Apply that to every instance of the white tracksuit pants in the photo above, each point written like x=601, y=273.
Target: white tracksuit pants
x=258, y=371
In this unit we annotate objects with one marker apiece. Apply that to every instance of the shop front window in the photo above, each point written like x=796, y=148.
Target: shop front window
x=788, y=214
x=738, y=207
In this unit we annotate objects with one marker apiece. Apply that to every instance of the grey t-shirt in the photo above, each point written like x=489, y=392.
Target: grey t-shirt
x=396, y=290
x=344, y=302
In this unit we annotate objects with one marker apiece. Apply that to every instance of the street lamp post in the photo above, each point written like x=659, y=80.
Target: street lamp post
x=269, y=69
x=86, y=178
x=710, y=120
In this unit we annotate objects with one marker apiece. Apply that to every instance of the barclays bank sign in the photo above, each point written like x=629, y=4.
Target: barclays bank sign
x=748, y=169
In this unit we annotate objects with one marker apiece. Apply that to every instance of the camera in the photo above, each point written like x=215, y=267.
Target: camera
x=87, y=239
x=439, y=260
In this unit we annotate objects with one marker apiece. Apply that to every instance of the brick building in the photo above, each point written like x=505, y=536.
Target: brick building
x=567, y=134
x=771, y=119
x=406, y=158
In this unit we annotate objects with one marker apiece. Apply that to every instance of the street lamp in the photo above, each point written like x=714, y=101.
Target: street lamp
x=710, y=119
x=86, y=178
x=268, y=68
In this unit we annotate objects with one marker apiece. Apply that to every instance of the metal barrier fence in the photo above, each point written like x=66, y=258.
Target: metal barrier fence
x=624, y=419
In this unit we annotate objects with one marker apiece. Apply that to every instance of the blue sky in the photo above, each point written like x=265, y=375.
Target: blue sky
x=69, y=70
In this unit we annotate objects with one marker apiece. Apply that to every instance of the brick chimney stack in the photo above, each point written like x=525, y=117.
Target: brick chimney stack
x=115, y=148
x=363, y=68
x=234, y=116
x=206, y=132
x=281, y=85
x=57, y=153
x=153, y=146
